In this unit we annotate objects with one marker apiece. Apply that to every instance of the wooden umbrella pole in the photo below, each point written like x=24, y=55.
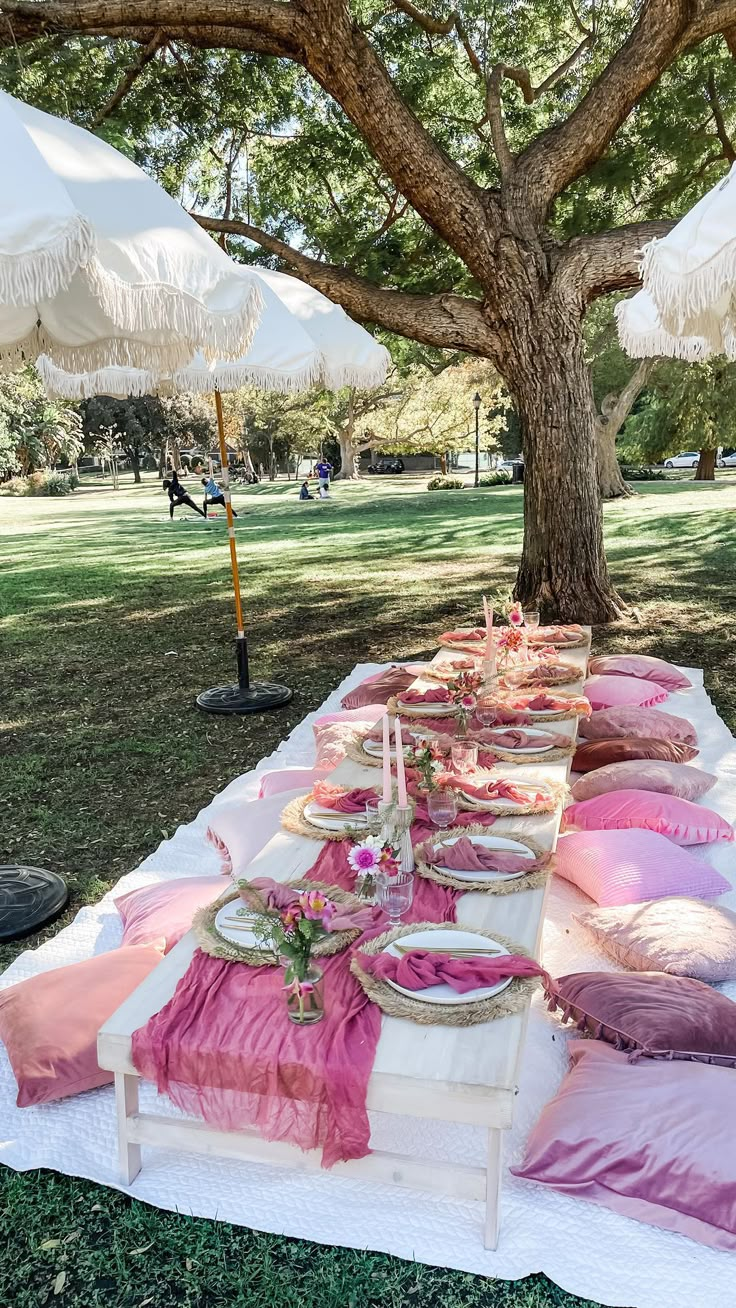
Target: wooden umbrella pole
x=229, y=512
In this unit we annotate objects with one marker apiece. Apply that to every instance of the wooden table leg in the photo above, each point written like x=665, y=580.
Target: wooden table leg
x=126, y=1103
x=493, y=1187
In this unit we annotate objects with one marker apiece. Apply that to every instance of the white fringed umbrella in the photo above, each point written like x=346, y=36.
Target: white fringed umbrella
x=691, y=273
x=98, y=265
x=642, y=336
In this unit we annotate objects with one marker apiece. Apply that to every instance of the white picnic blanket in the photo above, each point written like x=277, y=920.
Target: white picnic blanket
x=582, y=1247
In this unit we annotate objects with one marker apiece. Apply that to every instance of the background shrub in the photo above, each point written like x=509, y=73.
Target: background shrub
x=445, y=483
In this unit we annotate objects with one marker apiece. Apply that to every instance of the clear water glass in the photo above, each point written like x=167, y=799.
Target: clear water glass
x=464, y=755
x=486, y=710
x=373, y=819
x=442, y=809
x=396, y=895
x=531, y=617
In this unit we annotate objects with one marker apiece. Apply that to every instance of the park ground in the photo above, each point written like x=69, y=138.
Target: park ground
x=112, y=619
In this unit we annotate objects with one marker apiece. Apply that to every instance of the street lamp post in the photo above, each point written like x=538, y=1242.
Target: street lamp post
x=476, y=406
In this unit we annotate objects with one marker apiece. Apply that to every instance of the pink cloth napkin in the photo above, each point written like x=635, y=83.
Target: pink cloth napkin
x=541, y=674
x=341, y=800
x=493, y=790
x=279, y=896
x=472, y=633
x=450, y=667
x=542, y=702
x=466, y=856
x=435, y=695
x=517, y=739
x=419, y=969
x=560, y=635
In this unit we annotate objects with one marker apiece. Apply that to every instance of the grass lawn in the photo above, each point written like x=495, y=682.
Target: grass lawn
x=112, y=619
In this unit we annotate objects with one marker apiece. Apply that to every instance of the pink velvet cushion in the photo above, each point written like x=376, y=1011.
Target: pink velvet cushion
x=379, y=688
x=642, y=666
x=678, y=819
x=652, y=1142
x=165, y=909
x=240, y=828
x=682, y=936
x=642, y=774
x=281, y=779
x=650, y=1014
x=609, y=692
x=630, y=720
x=49, y=1023
x=595, y=754
x=628, y=867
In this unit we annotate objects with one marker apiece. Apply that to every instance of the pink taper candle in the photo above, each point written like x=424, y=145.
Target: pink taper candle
x=387, y=784
x=400, y=773
x=489, y=628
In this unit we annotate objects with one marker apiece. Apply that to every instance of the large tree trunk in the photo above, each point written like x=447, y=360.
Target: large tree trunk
x=610, y=481
x=563, y=565
x=706, y=469
x=348, y=458
x=135, y=463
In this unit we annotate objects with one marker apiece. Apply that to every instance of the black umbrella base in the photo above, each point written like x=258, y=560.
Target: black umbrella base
x=260, y=696
x=29, y=898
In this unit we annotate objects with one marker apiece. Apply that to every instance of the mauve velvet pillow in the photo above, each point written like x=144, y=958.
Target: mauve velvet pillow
x=49, y=1023
x=640, y=665
x=609, y=692
x=379, y=688
x=678, y=819
x=652, y=1142
x=165, y=909
x=650, y=1014
x=684, y=937
x=645, y=774
x=628, y=720
x=594, y=754
x=629, y=867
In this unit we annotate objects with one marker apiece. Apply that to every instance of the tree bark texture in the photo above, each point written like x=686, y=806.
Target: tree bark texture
x=706, y=469
x=348, y=457
x=611, y=483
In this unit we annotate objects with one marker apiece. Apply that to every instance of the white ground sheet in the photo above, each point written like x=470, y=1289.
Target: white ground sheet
x=582, y=1247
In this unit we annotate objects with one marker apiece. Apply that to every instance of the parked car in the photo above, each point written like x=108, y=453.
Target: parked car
x=728, y=461
x=387, y=465
x=508, y=465
x=689, y=459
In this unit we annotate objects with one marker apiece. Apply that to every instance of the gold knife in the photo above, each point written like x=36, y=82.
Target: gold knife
x=453, y=953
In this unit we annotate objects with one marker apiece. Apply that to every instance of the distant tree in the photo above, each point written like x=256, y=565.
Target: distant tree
x=35, y=432
x=141, y=424
x=618, y=383
x=435, y=413
x=692, y=406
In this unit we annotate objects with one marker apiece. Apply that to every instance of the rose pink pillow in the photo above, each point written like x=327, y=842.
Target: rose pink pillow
x=628, y=720
x=643, y=666
x=678, y=819
x=645, y=774
x=49, y=1023
x=609, y=692
x=281, y=779
x=682, y=936
x=165, y=909
x=379, y=688
x=628, y=867
x=650, y=1014
x=239, y=829
x=615, y=1134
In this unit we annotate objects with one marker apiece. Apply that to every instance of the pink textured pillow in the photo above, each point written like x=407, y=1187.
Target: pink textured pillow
x=165, y=909
x=643, y=666
x=645, y=774
x=49, y=1023
x=332, y=738
x=627, y=867
x=281, y=779
x=358, y=717
x=379, y=688
x=609, y=692
x=682, y=936
x=239, y=829
x=678, y=819
x=650, y=1014
x=616, y=1135
x=630, y=720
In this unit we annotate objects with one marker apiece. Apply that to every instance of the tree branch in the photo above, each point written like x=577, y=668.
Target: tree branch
x=721, y=131
x=444, y=320
x=615, y=409
x=130, y=77
x=589, y=266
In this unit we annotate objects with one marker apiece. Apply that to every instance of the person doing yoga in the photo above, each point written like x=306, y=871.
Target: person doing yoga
x=178, y=495
x=213, y=494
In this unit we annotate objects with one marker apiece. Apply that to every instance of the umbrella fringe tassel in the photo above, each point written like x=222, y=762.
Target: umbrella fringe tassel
x=41, y=274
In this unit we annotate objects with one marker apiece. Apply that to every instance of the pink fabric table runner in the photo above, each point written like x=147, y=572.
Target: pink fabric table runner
x=224, y=1049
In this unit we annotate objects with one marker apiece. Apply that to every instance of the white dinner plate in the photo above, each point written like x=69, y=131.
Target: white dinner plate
x=449, y=940
x=552, y=737
x=527, y=787
x=237, y=935
x=488, y=842
x=429, y=710
x=328, y=820
x=543, y=713
x=375, y=747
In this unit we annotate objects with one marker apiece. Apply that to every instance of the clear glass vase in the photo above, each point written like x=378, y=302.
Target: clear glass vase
x=305, y=999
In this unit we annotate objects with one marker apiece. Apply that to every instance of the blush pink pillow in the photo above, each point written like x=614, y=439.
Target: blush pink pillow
x=645, y=774
x=165, y=909
x=629, y=867
x=332, y=739
x=281, y=779
x=356, y=717
x=49, y=1023
x=379, y=688
x=643, y=666
x=678, y=819
x=630, y=720
x=609, y=692
x=239, y=829
x=652, y=1142
x=682, y=936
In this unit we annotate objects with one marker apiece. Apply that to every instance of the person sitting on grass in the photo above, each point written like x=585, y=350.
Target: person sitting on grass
x=304, y=493
x=213, y=494
x=178, y=496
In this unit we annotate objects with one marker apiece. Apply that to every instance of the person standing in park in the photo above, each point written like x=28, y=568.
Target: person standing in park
x=213, y=494
x=178, y=495
x=324, y=472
